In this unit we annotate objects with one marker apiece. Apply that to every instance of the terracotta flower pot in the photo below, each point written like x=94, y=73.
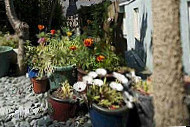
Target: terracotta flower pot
x=40, y=86
x=59, y=109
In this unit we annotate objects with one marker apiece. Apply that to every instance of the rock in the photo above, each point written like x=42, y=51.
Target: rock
x=24, y=124
x=48, y=120
x=15, y=81
x=68, y=123
x=9, y=124
x=38, y=116
x=15, y=121
x=87, y=125
x=21, y=107
x=41, y=122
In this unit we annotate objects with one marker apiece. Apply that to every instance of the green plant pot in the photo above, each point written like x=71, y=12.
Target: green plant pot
x=4, y=60
x=62, y=74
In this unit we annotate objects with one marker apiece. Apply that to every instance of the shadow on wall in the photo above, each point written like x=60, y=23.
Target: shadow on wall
x=136, y=58
x=121, y=42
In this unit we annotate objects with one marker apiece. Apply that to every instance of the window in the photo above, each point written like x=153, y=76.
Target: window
x=136, y=23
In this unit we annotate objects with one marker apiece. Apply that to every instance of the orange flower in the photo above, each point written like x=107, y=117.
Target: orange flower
x=73, y=48
x=88, y=42
x=41, y=27
x=89, y=21
x=52, y=32
x=100, y=58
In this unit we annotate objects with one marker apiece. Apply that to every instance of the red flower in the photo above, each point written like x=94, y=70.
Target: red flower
x=113, y=107
x=100, y=58
x=73, y=48
x=52, y=32
x=88, y=42
x=41, y=27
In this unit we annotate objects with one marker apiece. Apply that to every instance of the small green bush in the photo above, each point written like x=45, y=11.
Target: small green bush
x=9, y=40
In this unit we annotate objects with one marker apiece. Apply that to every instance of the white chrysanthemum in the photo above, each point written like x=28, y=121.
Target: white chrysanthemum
x=79, y=86
x=116, y=86
x=121, y=78
x=137, y=79
x=128, y=96
x=129, y=105
x=98, y=82
x=93, y=74
x=87, y=79
x=101, y=71
x=128, y=75
x=133, y=73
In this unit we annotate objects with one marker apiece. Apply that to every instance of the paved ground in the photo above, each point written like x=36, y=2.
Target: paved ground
x=21, y=107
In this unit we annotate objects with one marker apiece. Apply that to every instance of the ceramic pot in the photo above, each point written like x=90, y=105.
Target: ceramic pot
x=59, y=109
x=40, y=86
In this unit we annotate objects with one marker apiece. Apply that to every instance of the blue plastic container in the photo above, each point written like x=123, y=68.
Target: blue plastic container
x=32, y=73
x=101, y=117
x=5, y=60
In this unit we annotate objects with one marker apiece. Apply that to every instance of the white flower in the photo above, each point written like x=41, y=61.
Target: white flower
x=101, y=71
x=137, y=79
x=79, y=86
x=93, y=74
x=116, y=86
x=98, y=82
x=129, y=105
x=110, y=19
x=127, y=96
x=128, y=75
x=121, y=78
x=87, y=79
x=133, y=73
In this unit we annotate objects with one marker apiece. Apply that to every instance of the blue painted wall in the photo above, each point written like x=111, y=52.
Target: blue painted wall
x=145, y=25
x=184, y=24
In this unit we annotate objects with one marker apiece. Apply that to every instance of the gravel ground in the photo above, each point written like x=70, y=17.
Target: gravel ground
x=21, y=107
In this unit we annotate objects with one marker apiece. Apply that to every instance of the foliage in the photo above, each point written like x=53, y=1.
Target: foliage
x=35, y=59
x=9, y=40
x=144, y=86
x=92, y=21
x=109, y=94
x=105, y=96
x=98, y=55
x=67, y=90
x=36, y=12
x=54, y=50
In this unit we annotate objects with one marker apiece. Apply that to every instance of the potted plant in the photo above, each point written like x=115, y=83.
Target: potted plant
x=108, y=102
x=62, y=102
x=5, y=60
x=61, y=59
x=143, y=87
x=11, y=41
x=97, y=54
x=143, y=113
x=35, y=60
